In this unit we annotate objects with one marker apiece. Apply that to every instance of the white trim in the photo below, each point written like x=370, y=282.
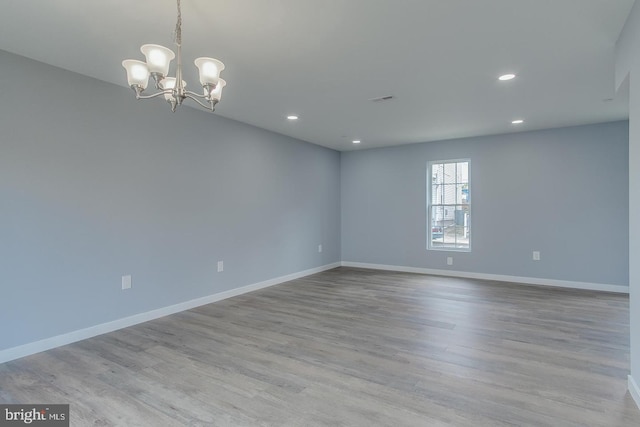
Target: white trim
x=82, y=334
x=497, y=277
x=634, y=390
x=430, y=203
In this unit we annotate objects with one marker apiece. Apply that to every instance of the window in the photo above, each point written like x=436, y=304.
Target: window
x=449, y=206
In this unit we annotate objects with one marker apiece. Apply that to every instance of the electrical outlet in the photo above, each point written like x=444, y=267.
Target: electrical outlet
x=536, y=255
x=449, y=260
x=220, y=266
x=126, y=282
x=319, y=248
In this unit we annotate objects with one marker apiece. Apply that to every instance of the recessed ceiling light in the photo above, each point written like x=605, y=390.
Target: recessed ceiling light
x=506, y=77
x=356, y=141
x=517, y=122
x=292, y=117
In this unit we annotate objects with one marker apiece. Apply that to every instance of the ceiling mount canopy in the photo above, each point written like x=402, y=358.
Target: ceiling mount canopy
x=158, y=60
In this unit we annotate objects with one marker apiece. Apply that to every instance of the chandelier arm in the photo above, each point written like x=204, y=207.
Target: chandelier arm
x=192, y=94
x=211, y=106
x=154, y=95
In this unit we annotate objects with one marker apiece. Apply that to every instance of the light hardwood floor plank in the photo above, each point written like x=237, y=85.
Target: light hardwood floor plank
x=352, y=347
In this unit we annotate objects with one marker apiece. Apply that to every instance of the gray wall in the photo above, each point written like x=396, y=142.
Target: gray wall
x=95, y=185
x=563, y=192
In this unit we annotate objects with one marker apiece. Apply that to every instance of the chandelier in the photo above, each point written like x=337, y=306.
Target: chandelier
x=173, y=88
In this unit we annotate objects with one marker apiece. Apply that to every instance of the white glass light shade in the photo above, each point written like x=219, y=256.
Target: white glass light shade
x=209, y=69
x=170, y=83
x=137, y=73
x=216, y=94
x=158, y=58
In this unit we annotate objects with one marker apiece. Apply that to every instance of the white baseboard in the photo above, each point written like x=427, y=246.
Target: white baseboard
x=74, y=336
x=497, y=277
x=634, y=390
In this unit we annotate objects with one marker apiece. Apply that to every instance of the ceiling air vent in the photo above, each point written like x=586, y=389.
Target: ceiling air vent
x=382, y=98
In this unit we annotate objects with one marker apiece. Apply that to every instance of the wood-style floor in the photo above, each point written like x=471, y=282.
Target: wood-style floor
x=352, y=347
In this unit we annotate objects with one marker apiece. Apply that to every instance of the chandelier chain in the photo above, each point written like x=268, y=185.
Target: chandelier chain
x=178, y=32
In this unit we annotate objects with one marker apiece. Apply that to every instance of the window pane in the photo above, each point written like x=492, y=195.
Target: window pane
x=449, y=173
x=437, y=224
x=436, y=194
x=461, y=228
x=462, y=172
x=462, y=194
x=449, y=194
x=437, y=176
x=437, y=216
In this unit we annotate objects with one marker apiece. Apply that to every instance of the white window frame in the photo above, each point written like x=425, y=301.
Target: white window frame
x=430, y=205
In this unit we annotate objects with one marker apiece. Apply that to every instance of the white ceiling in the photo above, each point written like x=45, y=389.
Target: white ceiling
x=325, y=59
